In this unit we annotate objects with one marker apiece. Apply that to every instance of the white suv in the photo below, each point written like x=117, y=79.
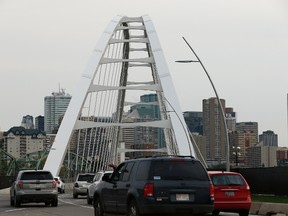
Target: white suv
x=60, y=184
x=83, y=180
x=96, y=180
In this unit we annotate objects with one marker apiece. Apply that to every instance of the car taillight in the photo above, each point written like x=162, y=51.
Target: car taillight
x=76, y=185
x=20, y=184
x=212, y=191
x=58, y=182
x=54, y=184
x=149, y=190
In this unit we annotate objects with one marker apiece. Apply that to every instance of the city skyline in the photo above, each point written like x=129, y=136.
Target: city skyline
x=242, y=44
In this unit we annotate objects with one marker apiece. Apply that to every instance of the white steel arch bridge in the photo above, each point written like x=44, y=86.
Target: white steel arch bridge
x=127, y=60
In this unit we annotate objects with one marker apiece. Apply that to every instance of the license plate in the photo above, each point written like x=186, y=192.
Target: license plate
x=230, y=193
x=182, y=197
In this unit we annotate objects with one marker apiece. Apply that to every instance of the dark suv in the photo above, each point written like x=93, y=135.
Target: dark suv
x=157, y=185
x=34, y=186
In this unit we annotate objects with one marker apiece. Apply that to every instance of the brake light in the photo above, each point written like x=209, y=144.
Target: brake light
x=212, y=191
x=149, y=190
x=20, y=184
x=54, y=184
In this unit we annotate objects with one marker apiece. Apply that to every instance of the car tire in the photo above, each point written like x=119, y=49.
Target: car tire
x=11, y=201
x=98, y=209
x=244, y=213
x=215, y=212
x=54, y=203
x=75, y=196
x=133, y=209
x=17, y=201
x=89, y=200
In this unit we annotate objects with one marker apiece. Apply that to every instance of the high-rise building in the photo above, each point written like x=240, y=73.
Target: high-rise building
x=214, y=131
x=269, y=138
x=251, y=127
x=230, y=119
x=54, y=109
x=144, y=137
x=27, y=122
x=39, y=123
x=194, y=121
x=240, y=141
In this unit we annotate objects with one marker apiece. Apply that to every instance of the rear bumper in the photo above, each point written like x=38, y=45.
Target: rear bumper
x=177, y=208
x=26, y=198
x=222, y=206
x=80, y=191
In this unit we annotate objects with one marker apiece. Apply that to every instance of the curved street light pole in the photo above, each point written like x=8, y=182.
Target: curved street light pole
x=219, y=102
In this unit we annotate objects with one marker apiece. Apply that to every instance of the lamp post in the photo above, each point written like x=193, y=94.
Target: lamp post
x=236, y=152
x=218, y=99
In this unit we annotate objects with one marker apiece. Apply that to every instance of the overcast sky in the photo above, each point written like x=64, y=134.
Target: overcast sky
x=243, y=44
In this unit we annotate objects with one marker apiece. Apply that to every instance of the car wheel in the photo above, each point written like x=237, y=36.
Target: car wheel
x=89, y=200
x=215, y=212
x=98, y=209
x=244, y=213
x=17, y=201
x=11, y=201
x=47, y=203
x=75, y=196
x=133, y=209
x=54, y=203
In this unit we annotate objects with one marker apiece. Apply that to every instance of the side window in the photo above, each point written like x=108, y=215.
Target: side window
x=127, y=171
x=117, y=172
x=143, y=170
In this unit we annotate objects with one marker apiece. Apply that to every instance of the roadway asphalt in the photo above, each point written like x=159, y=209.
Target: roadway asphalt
x=257, y=208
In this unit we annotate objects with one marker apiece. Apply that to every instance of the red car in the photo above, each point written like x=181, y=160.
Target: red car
x=231, y=193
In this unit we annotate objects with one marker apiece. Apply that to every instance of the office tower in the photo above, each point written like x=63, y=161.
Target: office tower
x=39, y=123
x=240, y=141
x=143, y=137
x=269, y=138
x=27, y=122
x=251, y=127
x=194, y=121
x=54, y=109
x=214, y=131
x=230, y=119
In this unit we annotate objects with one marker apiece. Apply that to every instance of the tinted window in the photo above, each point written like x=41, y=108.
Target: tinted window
x=179, y=170
x=127, y=171
x=36, y=176
x=226, y=179
x=143, y=170
x=87, y=178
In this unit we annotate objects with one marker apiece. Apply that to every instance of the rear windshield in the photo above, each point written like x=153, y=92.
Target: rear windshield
x=178, y=170
x=36, y=176
x=227, y=180
x=85, y=177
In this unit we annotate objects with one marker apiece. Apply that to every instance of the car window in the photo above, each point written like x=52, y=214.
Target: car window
x=179, y=170
x=85, y=177
x=143, y=170
x=36, y=176
x=117, y=172
x=227, y=180
x=127, y=171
